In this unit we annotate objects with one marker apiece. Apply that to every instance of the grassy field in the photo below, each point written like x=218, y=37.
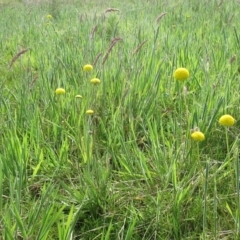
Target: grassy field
x=131, y=169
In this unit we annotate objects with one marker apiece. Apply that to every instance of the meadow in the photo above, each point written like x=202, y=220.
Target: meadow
x=97, y=131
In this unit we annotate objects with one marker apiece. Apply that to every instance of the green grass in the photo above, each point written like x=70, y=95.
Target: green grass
x=130, y=170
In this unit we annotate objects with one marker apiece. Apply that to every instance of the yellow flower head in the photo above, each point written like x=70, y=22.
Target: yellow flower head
x=181, y=74
x=89, y=112
x=95, y=81
x=227, y=120
x=78, y=96
x=87, y=68
x=198, y=136
x=49, y=16
x=60, y=91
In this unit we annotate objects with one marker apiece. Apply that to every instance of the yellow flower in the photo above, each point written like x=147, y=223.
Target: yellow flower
x=49, y=16
x=198, y=136
x=181, y=74
x=227, y=120
x=89, y=112
x=95, y=81
x=87, y=68
x=78, y=96
x=60, y=91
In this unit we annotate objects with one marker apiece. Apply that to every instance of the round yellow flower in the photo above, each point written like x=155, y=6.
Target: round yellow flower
x=49, y=16
x=227, y=120
x=89, y=112
x=95, y=81
x=78, y=96
x=87, y=68
x=181, y=74
x=60, y=91
x=198, y=136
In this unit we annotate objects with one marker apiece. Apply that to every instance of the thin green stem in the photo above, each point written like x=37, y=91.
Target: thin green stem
x=227, y=141
x=205, y=201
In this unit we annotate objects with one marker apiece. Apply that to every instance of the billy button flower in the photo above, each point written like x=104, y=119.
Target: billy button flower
x=78, y=96
x=49, y=16
x=227, y=120
x=95, y=81
x=87, y=68
x=90, y=112
x=198, y=136
x=181, y=74
x=60, y=91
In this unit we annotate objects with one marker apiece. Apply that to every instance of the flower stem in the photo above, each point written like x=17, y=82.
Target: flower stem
x=227, y=141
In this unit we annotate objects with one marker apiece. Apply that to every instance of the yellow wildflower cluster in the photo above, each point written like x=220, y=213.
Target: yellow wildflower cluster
x=94, y=81
x=226, y=120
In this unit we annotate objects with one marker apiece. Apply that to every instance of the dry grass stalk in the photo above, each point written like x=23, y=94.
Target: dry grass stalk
x=114, y=41
x=96, y=59
x=93, y=31
x=126, y=91
x=139, y=47
x=33, y=82
x=112, y=10
x=17, y=56
x=220, y=3
x=81, y=18
x=231, y=18
x=160, y=17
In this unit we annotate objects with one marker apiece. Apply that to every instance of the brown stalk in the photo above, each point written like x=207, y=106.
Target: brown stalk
x=114, y=41
x=139, y=47
x=220, y=3
x=231, y=18
x=33, y=82
x=96, y=59
x=93, y=31
x=112, y=10
x=160, y=17
x=17, y=56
